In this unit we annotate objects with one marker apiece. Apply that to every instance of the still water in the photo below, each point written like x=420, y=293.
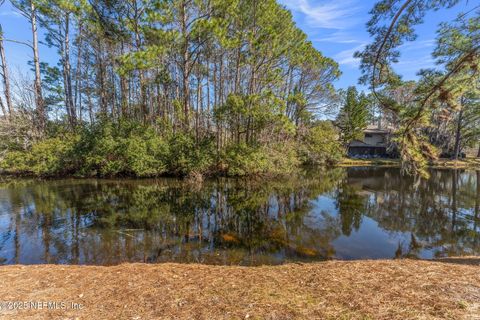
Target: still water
x=354, y=213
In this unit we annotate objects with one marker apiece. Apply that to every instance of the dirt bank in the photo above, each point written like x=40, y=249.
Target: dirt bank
x=398, y=289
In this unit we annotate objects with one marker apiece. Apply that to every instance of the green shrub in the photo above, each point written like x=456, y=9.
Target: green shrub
x=125, y=148
x=320, y=145
x=282, y=157
x=129, y=148
x=103, y=153
x=147, y=154
x=187, y=157
x=51, y=156
x=277, y=158
x=15, y=162
x=241, y=159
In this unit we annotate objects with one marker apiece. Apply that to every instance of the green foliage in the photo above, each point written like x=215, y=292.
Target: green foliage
x=15, y=161
x=415, y=150
x=321, y=145
x=186, y=156
x=108, y=149
x=457, y=54
x=125, y=148
x=48, y=157
x=104, y=151
x=146, y=155
x=353, y=116
x=282, y=157
x=242, y=159
x=221, y=86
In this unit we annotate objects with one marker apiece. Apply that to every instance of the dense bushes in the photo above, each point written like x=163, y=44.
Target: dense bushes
x=127, y=148
x=186, y=156
x=51, y=156
x=320, y=145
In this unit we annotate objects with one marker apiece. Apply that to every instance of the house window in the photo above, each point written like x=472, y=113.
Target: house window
x=368, y=135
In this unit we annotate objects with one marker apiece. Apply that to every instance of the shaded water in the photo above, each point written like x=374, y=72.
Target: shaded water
x=353, y=213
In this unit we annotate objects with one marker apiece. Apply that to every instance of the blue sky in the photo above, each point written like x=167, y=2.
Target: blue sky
x=336, y=28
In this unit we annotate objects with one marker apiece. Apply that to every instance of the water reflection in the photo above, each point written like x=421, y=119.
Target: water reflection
x=340, y=213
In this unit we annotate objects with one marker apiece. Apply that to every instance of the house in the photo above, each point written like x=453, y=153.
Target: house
x=373, y=145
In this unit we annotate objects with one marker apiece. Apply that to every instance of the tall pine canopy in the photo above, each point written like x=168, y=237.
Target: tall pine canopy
x=166, y=86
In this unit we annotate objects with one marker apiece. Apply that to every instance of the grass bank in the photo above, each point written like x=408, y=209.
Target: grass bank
x=382, y=289
x=473, y=163
x=351, y=162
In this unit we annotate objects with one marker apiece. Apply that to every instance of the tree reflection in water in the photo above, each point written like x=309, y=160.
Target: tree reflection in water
x=314, y=215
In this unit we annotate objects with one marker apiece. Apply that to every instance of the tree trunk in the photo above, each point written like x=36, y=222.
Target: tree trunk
x=78, y=90
x=197, y=114
x=141, y=73
x=477, y=208
x=68, y=75
x=123, y=96
x=185, y=65
x=88, y=91
x=101, y=80
x=6, y=78
x=477, y=198
x=237, y=72
x=40, y=107
x=207, y=118
x=68, y=71
x=458, y=137
x=2, y=106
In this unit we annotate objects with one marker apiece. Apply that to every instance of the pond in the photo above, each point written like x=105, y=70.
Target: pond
x=341, y=213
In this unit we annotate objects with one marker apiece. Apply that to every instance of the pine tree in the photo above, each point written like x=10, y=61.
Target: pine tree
x=353, y=116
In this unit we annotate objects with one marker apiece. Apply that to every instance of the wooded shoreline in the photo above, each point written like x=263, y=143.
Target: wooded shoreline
x=183, y=87
x=470, y=163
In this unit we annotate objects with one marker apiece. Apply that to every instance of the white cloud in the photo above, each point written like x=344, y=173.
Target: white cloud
x=422, y=62
x=416, y=45
x=346, y=57
x=12, y=13
x=339, y=37
x=327, y=14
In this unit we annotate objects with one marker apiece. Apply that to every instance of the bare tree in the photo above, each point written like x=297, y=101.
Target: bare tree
x=5, y=75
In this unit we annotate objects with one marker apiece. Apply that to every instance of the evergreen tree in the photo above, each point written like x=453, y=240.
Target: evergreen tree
x=228, y=86
x=392, y=24
x=353, y=116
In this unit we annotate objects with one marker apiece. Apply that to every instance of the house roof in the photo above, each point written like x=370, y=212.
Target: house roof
x=376, y=129
x=358, y=143
x=377, y=142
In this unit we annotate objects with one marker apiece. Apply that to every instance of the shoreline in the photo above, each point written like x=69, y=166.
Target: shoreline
x=362, y=289
x=470, y=163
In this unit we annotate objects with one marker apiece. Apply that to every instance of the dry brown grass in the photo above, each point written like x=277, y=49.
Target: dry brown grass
x=467, y=163
x=395, y=289
x=473, y=163
x=352, y=162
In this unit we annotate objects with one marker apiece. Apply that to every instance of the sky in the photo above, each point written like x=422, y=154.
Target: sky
x=335, y=27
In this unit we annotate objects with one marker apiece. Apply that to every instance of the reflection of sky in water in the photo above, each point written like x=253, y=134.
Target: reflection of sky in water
x=355, y=213
x=368, y=242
